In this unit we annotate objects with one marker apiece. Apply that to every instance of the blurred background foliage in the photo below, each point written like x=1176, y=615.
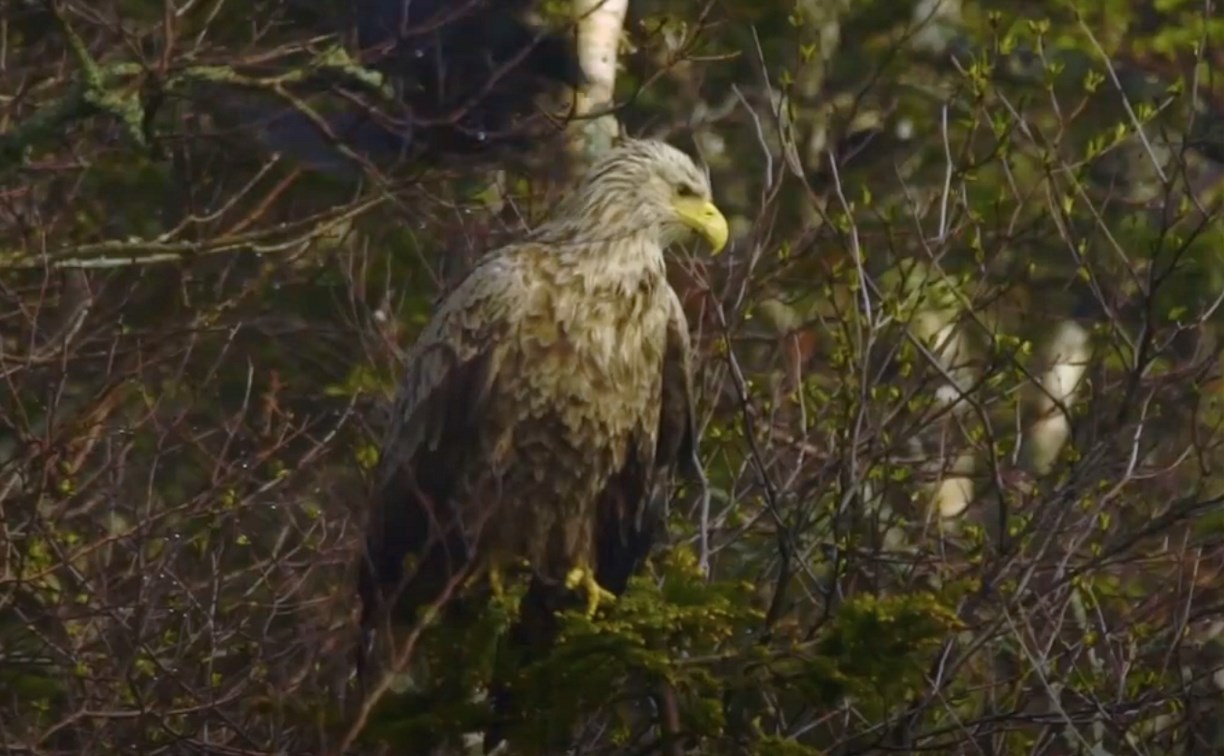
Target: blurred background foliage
x=958, y=375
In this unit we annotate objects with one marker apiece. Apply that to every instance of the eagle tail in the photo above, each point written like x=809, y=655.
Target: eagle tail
x=528, y=640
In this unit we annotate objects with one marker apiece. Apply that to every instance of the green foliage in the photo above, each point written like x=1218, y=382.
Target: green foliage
x=673, y=633
x=457, y=656
x=183, y=467
x=875, y=645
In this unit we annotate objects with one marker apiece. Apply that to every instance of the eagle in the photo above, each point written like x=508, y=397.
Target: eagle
x=544, y=401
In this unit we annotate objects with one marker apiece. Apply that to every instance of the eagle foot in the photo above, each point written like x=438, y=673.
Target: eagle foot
x=497, y=576
x=496, y=585
x=595, y=593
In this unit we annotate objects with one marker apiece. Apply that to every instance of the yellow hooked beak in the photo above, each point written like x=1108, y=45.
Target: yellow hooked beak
x=704, y=218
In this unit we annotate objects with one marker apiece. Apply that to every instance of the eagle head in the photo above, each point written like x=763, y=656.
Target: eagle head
x=644, y=183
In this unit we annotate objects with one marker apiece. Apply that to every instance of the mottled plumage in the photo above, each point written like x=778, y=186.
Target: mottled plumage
x=547, y=394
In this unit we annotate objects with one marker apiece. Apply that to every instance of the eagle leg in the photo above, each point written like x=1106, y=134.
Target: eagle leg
x=596, y=593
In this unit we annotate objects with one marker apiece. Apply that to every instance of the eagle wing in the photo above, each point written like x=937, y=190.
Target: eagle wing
x=632, y=513
x=451, y=372
x=677, y=444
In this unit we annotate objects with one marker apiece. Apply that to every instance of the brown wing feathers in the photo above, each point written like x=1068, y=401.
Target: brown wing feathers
x=416, y=487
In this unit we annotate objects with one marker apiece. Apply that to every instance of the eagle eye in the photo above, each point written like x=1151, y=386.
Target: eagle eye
x=686, y=190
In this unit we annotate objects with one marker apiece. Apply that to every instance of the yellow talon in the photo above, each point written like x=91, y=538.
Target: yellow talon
x=495, y=583
x=595, y=592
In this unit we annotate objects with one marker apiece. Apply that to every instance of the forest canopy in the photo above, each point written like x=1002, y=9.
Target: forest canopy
x=956, y=371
